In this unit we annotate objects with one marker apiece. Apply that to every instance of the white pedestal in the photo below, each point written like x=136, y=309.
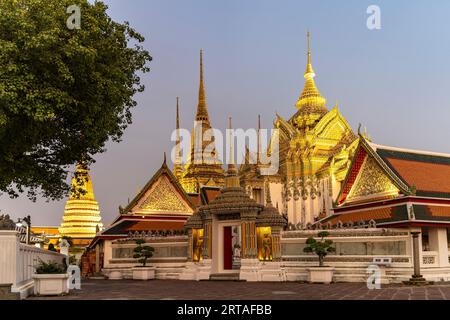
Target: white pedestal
x=320, y=274
x=143, y=273
x=50, y=284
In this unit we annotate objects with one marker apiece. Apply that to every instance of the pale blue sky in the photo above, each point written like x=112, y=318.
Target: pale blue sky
x=395, y=81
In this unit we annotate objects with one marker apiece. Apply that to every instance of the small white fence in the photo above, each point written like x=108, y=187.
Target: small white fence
x=17, y=261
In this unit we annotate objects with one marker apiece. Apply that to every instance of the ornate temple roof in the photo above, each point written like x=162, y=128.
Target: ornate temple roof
x=428, y=172
x=161, y=194
x=395, y=187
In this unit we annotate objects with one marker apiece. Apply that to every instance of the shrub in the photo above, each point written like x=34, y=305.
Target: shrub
x=142, y=252
x=321, y=248
x=49, y=268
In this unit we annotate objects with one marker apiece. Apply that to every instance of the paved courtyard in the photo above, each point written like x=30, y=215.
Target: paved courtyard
x=205, y=290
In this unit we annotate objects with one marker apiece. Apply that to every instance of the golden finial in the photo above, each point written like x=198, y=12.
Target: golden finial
x=268, y=198
x=258, y=151
x=231, y=179
x=177, y=169
x=310, y=100
x=178, y=117
x=202, y=112
x=309, y=73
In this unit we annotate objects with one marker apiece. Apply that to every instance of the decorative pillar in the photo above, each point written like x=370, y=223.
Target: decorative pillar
x=417, y=278
x=207, y=242
x=190, y=245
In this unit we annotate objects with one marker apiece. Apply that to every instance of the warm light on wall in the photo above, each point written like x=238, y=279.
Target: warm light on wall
x=264, y=235
x=197, y=245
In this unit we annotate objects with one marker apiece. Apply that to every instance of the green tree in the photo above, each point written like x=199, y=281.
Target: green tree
x=321, y=248
x=63, y=93
x=142, y=252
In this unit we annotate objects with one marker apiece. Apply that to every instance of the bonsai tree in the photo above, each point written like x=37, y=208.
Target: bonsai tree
x=142, y=252
x=49, y=268
x=321, y=248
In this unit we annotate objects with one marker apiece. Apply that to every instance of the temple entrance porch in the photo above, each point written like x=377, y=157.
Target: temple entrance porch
x=226, y=247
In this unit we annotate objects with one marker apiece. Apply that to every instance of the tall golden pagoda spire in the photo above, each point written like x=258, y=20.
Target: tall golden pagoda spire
x=177, y=167
x=310, y=101
x=202, y=110
x=258, y=151
x=231, y=179
x=81, y=213
x=203, y=166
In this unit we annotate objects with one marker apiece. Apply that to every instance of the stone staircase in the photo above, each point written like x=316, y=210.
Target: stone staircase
x=224, y=277
x=6, y=294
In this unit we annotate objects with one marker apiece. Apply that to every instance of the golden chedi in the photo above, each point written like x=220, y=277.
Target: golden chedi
x=82, y=213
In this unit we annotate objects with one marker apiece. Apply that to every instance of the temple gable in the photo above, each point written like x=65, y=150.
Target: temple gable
x=371, y=182
x=163, y=197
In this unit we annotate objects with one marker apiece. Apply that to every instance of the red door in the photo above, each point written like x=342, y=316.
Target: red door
x=227, y=250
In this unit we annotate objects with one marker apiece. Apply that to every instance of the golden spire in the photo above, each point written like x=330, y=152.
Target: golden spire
x=81, y=214
x=310, y=101
x=177, y=167
x=309, y=70
x=231, y=180
x=258, y=151
x=202, y=110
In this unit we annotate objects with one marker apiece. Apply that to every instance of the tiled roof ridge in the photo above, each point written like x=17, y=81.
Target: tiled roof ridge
x=405, y=150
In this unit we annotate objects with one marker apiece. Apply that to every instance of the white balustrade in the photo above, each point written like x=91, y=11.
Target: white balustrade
x=17, y=261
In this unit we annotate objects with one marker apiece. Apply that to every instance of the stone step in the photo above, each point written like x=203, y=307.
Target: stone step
x=6, y=294
x=10, y=296
x=224, y=277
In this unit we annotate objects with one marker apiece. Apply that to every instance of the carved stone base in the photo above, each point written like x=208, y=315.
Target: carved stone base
x=418, y=281
x=204, y=270
x=250, y=270
x=190, y=271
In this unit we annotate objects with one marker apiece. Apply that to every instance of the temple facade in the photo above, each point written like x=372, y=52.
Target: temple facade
x=315, y=149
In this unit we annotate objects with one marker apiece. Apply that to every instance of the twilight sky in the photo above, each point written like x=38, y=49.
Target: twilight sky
x=395, y=81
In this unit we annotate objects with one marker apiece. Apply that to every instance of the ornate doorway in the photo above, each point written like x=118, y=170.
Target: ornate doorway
x=227, y=248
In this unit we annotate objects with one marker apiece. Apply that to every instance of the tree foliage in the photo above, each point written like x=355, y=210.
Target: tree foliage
x=321, y=248
x=63, y=93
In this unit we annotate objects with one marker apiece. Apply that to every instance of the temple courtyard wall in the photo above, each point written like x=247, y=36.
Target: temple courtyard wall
x=357, y=251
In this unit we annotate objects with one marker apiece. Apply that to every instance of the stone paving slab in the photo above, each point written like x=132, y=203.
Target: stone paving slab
x=234, y=290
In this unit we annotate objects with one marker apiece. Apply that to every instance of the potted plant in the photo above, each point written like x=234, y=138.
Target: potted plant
x=143, y=252
x=321, y=248
x=50, y=279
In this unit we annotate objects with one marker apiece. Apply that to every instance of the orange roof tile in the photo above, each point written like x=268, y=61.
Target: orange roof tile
x=426, y=176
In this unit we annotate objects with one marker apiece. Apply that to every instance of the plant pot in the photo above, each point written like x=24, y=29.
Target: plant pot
x=143, y=273
x=320, y=274
x=50, y=284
